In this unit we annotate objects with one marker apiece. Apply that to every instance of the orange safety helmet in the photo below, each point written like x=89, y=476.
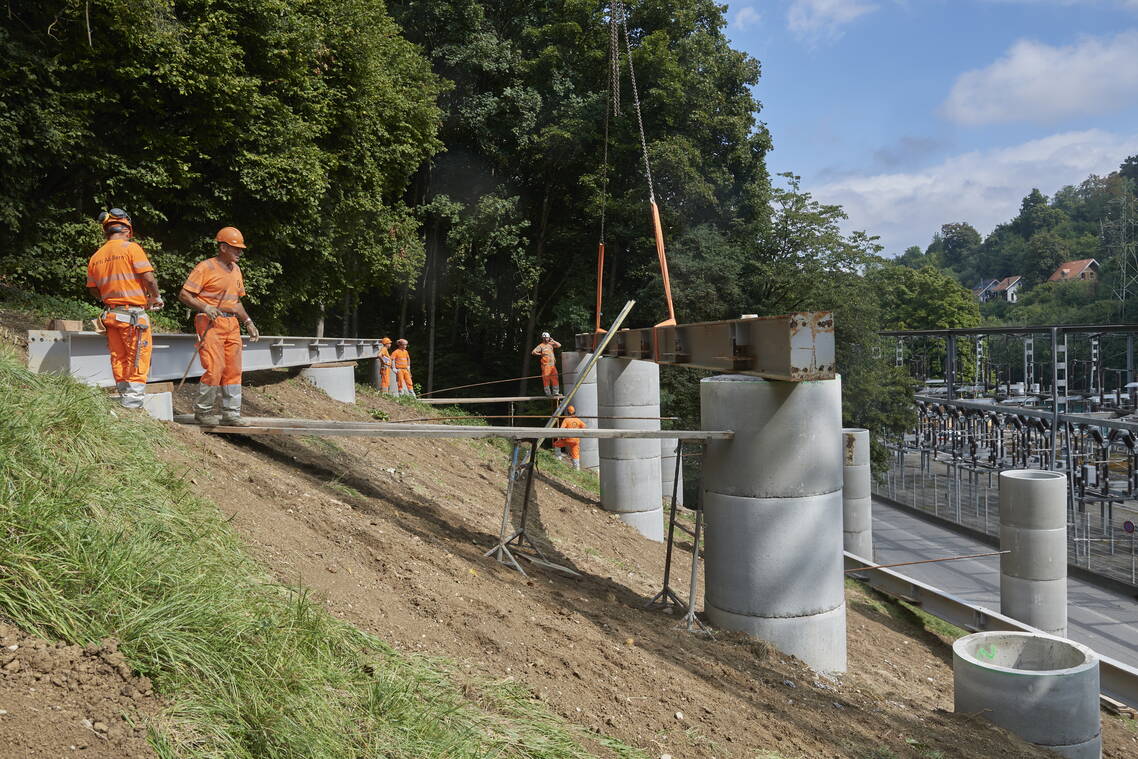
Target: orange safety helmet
x=116, y=216
x=385, y=340
x=570, y=410
x=231, y=236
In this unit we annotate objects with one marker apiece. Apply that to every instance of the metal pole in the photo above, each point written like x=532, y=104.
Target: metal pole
x=1054, y=398
x=950, y=367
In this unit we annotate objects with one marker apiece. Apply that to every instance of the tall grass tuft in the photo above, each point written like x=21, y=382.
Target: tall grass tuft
x=99, y=539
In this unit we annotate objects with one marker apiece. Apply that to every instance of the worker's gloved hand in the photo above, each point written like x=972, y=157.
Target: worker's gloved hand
x=155, y=304
x=254, y=333
x=212, y=312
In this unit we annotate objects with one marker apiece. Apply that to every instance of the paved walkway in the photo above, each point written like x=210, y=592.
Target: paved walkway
x=1102, y=619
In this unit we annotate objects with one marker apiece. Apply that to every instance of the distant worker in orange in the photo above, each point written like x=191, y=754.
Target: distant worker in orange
x=214, y=289
x=402, y=360
x=572, y=445
x=548, y=363
x=120, y=275
x=384, y=359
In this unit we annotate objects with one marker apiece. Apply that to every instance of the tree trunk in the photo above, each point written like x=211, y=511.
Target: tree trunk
x=347, y=316
x=531, y=322
x=403, y=310
x=320, y=321
x=433, y=266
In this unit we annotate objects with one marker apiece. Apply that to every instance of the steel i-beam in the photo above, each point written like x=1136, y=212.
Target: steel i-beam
x=794, y=347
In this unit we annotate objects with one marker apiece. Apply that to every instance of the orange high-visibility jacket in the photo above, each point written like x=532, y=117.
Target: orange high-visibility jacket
x=215, y=285
x=402, y=358
x=115, y=270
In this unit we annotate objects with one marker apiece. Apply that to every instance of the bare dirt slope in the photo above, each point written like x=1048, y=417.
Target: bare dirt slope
x=390, y=535
x=58, y=701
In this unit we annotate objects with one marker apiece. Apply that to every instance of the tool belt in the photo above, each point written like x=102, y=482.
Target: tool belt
x=135, y=316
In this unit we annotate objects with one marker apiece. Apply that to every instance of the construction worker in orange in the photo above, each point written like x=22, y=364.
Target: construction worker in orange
x=549, y=379
x=214, y=289
x=402, y=361
x=384, y=359
x=120, y=275
x=572, y=445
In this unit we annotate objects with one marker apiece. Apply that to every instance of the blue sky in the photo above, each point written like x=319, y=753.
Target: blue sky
x=916, y=113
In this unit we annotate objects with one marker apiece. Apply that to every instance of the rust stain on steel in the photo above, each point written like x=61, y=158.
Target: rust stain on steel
x=819, y=324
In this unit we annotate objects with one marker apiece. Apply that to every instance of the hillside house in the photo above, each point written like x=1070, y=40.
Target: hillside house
x=983, y=290
x=1008, y=288
x=1084, y=269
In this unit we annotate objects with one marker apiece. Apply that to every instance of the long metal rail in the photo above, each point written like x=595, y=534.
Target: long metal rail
x=269, y=426
x=84, y=354
x=793, y=347
x=1118, y=681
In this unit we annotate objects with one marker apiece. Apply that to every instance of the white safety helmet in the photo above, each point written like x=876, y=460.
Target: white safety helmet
x=544, y=335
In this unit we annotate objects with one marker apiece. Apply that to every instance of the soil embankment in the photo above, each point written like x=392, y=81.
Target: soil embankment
x=391, y=533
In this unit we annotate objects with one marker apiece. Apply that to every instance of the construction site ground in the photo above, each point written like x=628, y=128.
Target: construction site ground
x=390, y=535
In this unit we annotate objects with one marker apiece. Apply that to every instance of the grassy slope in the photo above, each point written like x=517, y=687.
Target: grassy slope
x=100, y=541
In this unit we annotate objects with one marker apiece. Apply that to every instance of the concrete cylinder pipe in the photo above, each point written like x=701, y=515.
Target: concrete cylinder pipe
x=668, y=472
x=857, y=501
x=772, y=499
x=630, y=468
x=584, y=402
x=1044, y=689
x=1033, y=527
x=337, y=380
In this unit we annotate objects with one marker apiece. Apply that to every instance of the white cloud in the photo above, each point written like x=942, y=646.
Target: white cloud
x=983, y=188
x=818, y=19
x=747, y=16
x=1039, y=83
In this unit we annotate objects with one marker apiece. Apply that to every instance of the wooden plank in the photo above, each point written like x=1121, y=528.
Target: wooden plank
x=468, y=432
x=510, y=399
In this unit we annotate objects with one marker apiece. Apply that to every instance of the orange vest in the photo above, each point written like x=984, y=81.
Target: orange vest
x=545, y=350
x=115, y=270
x=402, y=358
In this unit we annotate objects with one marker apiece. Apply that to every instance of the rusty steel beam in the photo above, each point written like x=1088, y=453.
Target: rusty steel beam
x=795, y=347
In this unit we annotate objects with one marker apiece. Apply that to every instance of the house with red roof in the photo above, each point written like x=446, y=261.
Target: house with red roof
x=1084, y=269
x=1008, y=288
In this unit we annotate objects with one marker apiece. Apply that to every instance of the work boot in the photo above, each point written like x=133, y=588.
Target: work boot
x=556, y=390
x=231, y=406
x=547, y=390
x=203, y=405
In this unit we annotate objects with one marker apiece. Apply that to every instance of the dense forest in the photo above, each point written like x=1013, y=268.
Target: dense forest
x=443, y=170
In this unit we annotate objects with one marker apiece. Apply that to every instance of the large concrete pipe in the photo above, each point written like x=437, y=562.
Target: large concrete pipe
x=630, y=468
x=1043, y=689
x=585, y=402
x=337, y=380
x=1033, y=527
x=857, y=501
x=668, y=472
x=772, y=498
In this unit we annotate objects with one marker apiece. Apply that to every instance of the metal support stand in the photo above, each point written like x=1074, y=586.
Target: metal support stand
x=523, y=546
x=667, y=597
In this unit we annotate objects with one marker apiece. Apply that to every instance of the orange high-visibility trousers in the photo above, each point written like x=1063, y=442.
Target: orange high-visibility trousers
x=219, y=349
x=572, y=446
x=384, y=377
x=549, y=376
x=403, y=379
x=122, y=340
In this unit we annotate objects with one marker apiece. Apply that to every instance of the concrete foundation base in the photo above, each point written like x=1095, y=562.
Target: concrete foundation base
x=668, y=472
x=159, y=405
x=337, y=380
x=772, y=499
x=584, y=402
x=819, y=640
x=1043, y=689
x=1033, y=527
x=857, y=503
x=627, y=392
